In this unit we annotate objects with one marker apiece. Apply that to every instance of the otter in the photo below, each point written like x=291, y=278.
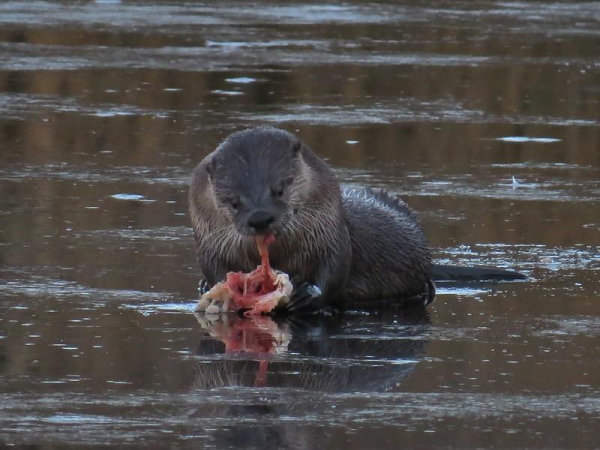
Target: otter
x=338, y=245
x=341, y=247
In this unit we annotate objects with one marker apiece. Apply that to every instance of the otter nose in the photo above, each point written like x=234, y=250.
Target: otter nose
x=260, y=220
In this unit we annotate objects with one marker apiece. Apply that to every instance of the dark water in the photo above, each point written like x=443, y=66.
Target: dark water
x=105, y=108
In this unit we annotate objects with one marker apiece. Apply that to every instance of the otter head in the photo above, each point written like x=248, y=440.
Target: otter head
x=254, y=175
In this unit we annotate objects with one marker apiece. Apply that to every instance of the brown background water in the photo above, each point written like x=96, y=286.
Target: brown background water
x=106, y=107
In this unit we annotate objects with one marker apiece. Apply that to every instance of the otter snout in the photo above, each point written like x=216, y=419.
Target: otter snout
x=260, y=220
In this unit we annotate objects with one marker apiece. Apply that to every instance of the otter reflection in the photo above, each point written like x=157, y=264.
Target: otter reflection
x=346, y=353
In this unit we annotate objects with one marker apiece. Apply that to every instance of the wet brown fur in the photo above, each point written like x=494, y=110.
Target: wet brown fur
x=355, y=245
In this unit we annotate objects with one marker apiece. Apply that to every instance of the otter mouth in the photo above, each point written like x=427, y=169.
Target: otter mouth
x=257, y=292
x=267, y=235
x=256, y=235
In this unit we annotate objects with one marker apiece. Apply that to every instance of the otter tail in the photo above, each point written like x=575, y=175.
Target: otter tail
x=443, y=272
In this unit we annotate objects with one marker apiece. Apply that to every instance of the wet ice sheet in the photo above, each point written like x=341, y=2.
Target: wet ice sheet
x=99, y=99
x=405, y=111
x=212, y=58
x=252, y=44
x=528, y=257
x=21, y=106
x=518, y=139
x=96, y=173
x=43, y=287
x=408, y=413
x=178, y=14
x=498, y=185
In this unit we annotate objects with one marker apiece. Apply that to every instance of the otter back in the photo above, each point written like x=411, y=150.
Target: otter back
x=390, y=253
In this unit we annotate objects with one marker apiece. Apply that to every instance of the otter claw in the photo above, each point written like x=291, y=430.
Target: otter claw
x=305, y=298
x=203, y=287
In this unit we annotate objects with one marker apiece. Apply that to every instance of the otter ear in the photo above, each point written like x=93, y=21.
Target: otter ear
x=210, y=169
x=296, y=146
x=288, y=181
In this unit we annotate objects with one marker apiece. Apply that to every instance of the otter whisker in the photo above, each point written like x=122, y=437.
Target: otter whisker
x=217, y=232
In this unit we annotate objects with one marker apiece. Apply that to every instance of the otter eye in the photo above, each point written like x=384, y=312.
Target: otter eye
x=277, y=192
x=233, y=202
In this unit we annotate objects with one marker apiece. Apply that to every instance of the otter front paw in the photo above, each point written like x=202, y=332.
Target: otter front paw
x=203, y=287
x=306, y=299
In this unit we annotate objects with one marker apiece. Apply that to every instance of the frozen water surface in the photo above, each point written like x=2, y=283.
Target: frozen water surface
x=107, y=106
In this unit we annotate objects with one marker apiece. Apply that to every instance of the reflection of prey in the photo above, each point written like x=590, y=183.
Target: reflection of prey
x=333, y=354
x=257, y=335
